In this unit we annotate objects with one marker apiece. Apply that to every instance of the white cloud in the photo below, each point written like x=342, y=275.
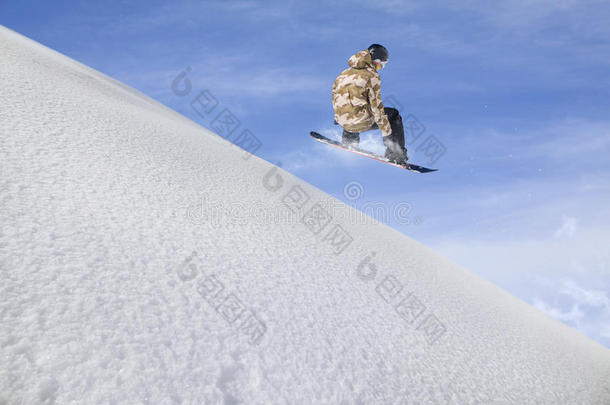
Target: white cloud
x=572, y=316
x=566, y=142
x=568, y=227
x=265, y=83
x=570, y=138
x=589, y=308
x=230, y=78
x=585, y=297
x=567, y=278
x=605, y=332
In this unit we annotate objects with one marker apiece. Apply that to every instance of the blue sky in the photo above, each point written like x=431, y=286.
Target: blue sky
x=516, y=91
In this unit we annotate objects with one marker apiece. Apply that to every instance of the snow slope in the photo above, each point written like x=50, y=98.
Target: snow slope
x=145, y=259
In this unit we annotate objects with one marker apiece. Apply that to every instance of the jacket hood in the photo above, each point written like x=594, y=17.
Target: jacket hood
x=361, y=60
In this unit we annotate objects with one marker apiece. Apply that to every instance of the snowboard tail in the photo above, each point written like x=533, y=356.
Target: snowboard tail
x=414, y=168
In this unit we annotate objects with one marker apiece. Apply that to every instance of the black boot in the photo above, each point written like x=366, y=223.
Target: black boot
x=400, y=158
x=395, y=142
x=350, y=139
x=394, y=152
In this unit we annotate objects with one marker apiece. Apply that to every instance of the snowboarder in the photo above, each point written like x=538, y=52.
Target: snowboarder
x=358, y=107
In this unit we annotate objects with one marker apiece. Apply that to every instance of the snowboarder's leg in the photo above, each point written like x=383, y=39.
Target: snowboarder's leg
x=350, y=138
x=395, y=142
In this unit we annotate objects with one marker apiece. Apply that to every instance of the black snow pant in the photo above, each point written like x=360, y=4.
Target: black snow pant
x=393, y=142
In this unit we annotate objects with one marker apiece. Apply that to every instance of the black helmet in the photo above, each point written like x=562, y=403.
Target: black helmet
x=378, y=52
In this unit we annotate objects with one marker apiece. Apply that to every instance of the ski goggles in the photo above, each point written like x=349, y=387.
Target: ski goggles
x=380, y=64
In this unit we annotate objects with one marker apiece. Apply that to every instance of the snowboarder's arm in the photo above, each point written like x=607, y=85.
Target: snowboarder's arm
x=377, y=107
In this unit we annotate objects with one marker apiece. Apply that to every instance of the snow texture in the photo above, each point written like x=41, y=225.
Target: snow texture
x=147, y=260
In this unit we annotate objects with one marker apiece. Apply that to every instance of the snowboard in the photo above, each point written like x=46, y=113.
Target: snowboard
x=370, y=155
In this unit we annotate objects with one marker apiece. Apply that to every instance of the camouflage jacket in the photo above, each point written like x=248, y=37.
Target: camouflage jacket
x=357, y=96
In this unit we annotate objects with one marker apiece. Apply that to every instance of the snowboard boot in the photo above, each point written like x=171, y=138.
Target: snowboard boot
x=394, y=152
x=350, y=139
x=398, y=157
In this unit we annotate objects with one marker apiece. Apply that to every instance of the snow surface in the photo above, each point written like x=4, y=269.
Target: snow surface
x=147, y=260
